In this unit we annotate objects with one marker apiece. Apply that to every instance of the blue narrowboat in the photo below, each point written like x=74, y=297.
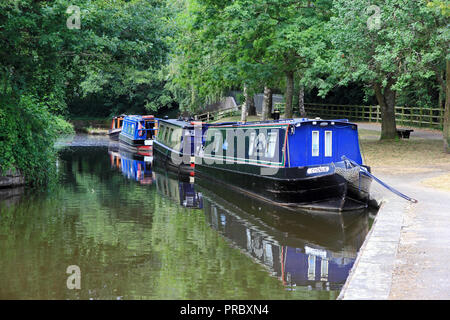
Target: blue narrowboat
x=138, y=133
x=176, y=143
x=293, y=162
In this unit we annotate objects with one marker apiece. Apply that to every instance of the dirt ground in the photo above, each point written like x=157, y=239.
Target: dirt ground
x=422, y=153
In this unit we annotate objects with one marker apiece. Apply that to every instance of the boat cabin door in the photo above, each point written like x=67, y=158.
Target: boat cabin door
x=321, y=146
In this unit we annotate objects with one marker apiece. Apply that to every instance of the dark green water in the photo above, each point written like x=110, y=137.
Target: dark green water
x=139, y=234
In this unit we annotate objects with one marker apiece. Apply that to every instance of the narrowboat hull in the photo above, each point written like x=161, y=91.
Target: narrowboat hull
x=135, y=143
x=139, y=149
x=114, y=134
x=292, y=187
x=163, y=155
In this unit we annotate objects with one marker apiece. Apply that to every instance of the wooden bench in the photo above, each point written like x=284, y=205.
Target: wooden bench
x=404, y=133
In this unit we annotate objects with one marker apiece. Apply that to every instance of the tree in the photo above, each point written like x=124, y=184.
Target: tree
x=383, y=46
x=442, y=37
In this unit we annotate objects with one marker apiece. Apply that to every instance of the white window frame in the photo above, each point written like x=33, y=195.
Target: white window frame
x=217, y=143
x=251, y=143
x=313, y=153
x=311, y=267
x=271, y=144
x=328, y=143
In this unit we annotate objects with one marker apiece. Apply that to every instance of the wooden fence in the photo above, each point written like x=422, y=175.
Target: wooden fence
x=412, y=116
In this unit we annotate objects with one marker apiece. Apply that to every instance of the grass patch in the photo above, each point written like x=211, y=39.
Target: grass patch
x=95, y=131
x=439, y=182
x=404, y=156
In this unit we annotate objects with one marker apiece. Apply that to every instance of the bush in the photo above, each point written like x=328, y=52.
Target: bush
x=27, y=135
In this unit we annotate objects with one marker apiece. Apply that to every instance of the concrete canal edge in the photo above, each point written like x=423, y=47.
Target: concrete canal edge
x=371, y=275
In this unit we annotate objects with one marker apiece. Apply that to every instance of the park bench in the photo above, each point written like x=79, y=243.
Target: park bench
x=404, y=133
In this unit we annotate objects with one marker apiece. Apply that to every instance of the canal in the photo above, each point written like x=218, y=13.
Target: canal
x=136, y=231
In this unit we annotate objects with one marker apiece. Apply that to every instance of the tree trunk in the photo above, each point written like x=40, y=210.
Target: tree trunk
x=267, y=104
x=386, y=100
x=245, y=105
x=447, y=109
x=289, y=94
x=251, y=106
x=301, y=101
x=270, y=106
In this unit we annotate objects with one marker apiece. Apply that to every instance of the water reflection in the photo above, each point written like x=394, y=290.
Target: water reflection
x=300, y=248
x=133, y=166
x=170, y=239
x=179, y=189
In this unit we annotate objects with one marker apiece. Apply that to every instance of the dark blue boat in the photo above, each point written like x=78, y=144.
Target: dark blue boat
x=296, y=162
x=176, y=143
x=138, y=133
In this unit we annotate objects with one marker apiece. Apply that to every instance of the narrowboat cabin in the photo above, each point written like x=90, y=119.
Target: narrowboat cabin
x=138, y=133
x=295, y=162
x=176, y=142
x=116, y=127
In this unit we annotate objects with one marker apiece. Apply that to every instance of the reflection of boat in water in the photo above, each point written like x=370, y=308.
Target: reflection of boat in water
x=178, y=189
x=133, y=165
x=300, y=249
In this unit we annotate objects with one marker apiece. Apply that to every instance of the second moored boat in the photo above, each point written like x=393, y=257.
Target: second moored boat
x=138, y=133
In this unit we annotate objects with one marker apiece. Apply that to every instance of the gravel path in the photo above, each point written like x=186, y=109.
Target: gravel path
x=418, y=132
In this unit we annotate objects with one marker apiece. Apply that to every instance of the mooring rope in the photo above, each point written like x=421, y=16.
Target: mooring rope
x=379, y=181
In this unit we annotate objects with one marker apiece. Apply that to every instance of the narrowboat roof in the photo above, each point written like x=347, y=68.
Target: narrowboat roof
x=296, y=122
x=139, y=117
x=182, y=123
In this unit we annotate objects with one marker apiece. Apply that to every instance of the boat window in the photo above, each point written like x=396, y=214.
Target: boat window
x=312, y=264
x=170, y=136
x=271, y=143
x=166, y=133
x=315, y=143
x=162, y=130
x=328, y=143
x=252, y=143
x=217, y=141
x=176, y=137
x=324, y=270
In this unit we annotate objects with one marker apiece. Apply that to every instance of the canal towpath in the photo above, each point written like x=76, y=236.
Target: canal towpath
x=405, y=256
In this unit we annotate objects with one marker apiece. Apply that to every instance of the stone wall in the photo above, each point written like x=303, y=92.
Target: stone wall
x=11, y=179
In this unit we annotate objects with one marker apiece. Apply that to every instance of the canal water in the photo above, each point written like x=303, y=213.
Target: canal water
x=135, y=231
